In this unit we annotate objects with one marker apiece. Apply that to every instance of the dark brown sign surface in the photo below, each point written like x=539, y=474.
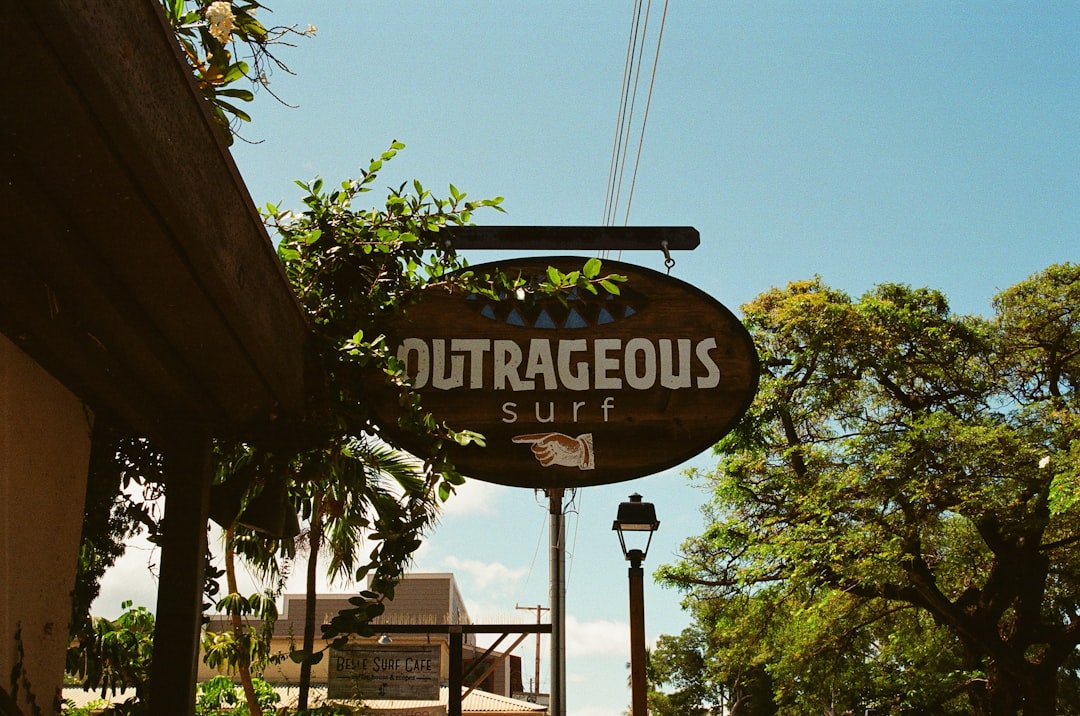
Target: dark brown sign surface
x=595, y=389
x=377, y=672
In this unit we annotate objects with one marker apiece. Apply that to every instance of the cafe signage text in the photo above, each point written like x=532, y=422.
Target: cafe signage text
x=408, y=672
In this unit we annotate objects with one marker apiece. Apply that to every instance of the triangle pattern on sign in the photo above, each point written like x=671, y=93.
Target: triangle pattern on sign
x=514, y=318
x=574, y=320
x=543, y=320
x=577, y=310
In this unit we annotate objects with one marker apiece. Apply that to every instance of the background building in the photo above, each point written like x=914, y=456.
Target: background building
x=419, y=600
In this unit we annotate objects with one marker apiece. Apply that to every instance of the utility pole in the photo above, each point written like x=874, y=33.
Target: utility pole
x=557, y=588
x=539, y=609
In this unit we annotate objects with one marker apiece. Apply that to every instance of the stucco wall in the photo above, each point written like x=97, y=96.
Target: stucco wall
x=44, y=453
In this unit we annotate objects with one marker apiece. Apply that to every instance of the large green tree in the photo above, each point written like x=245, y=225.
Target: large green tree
x=781, y=650
x=893, y=480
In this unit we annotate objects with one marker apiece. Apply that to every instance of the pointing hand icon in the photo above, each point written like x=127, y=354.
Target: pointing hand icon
x=558, y=449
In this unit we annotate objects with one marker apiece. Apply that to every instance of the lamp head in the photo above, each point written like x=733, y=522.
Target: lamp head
x=635, y=516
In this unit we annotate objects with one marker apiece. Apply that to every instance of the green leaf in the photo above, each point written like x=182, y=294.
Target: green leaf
x=176, y=9
x=592, y=268
x=241, y=94
x=610, y=287
x=232, y=109
x=235, y=72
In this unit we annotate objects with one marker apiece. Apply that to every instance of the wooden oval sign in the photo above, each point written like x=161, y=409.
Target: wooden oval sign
x=591, y=390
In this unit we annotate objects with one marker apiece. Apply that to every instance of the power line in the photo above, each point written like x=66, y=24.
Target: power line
x=645, y=119
x=618, y=153
x=627, y=101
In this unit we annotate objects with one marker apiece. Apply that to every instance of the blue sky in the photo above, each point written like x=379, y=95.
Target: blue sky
x=927, y=143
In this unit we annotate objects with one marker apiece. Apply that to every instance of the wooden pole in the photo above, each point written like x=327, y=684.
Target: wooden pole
x=580, y=238
x=180, y=589
x=638, y=685
x=539, y=609
x=457, y=667
x=557, y=564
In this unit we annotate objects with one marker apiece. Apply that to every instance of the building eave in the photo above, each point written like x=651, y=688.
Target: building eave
x=138, y=271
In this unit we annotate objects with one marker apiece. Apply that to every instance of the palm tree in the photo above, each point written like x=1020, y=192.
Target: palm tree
x=243, y=665
x=352, y=490
x=242, y=476
x=366, y=487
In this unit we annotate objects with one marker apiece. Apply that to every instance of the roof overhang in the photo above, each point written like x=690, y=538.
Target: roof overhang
x=137, y=270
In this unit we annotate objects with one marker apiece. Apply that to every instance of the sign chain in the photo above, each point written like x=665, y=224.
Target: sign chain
x=669, y=262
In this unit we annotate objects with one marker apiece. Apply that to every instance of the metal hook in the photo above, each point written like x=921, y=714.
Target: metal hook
x=669, y=262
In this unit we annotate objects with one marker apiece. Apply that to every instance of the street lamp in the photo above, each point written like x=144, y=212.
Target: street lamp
x=636, y=516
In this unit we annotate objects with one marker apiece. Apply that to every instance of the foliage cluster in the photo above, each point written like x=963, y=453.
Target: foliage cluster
x=225, y=44
x=248, y=645
x=893, y=524
x=115, y=655
x=119, y=656
x=352, y=270
x=220, y=697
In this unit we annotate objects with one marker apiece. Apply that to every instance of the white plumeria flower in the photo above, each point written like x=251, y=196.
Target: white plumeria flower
x=222, y=22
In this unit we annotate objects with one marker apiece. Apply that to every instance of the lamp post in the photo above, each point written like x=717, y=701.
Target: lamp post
x=636, y=516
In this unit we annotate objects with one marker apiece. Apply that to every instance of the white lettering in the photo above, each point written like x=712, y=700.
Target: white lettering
x=604, y=365
x=711, y=379
x=550, y=416
x=507, y=355
x=668, y=378
x=572, y=380
x=608, y=404
x=540, y=362
x=423, y=360
x=570, y=365
x=646, y=379
x=510, y=410
x=476, y=348
x=439, y=377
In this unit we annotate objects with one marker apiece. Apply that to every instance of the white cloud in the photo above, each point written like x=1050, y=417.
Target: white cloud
x=133, y=578
x=491, y=579
x=601, y=638
x=473, y=498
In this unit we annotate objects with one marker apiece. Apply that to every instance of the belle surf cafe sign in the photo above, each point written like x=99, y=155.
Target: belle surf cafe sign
x=407, y=672
x=587, y=390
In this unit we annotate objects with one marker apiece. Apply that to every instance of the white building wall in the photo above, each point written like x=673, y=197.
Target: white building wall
x=44, y=457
